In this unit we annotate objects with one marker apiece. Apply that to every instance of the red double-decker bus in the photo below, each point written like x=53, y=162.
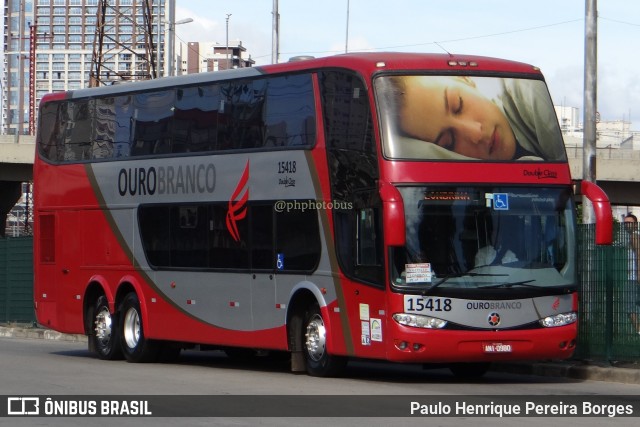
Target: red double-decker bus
x=404, y=207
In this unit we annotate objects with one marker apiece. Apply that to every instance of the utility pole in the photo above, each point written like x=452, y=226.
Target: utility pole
x=159, y=72
x=275, y=34
x=107, y=45
x=346, y=39
x=32, y=78
x=33, y=38
x=227, y=48
x=590, y=104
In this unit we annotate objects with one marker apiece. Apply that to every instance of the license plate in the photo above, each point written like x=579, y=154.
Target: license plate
x=496, y=347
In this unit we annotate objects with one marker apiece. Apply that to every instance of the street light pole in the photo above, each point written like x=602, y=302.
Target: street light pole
x=170, y=38
x=169, y=18
x=171, y=45
x=346, y=39
x=158, y=44
x=227, y=48
x=590, y=104
x=275, y=36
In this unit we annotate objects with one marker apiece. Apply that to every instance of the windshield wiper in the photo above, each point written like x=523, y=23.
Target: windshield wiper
x=511, y=285
x=454, y=275
x=524, y=283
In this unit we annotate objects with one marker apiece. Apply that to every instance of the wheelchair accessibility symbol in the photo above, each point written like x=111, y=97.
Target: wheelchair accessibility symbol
x=501, y=201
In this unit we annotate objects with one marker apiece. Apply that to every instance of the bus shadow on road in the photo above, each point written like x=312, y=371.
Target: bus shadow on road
x=360, y=370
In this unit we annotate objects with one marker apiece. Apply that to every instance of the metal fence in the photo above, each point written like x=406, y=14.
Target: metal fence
x=607, y=293
x=16, y=280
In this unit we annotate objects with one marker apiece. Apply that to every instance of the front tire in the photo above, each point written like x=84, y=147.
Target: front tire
x=135, y=346
x=318, y=361
x=105, y=339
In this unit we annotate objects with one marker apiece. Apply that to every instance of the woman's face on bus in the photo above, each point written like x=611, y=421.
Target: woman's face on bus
x=452, y=113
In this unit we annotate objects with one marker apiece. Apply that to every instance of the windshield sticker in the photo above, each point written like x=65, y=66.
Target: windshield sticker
x=500, y=201
x=418, y=273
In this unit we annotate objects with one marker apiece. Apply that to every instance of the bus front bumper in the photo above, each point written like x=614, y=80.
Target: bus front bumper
x=440, y=346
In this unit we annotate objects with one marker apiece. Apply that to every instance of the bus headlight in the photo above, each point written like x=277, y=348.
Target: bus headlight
x=418, y=321
x=559, y=320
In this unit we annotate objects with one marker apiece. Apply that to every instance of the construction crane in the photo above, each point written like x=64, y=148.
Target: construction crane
x=109, y=43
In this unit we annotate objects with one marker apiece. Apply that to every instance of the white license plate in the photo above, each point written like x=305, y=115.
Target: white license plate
x=496, y=347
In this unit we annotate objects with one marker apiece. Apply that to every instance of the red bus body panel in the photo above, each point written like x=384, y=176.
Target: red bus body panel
x=88, y=253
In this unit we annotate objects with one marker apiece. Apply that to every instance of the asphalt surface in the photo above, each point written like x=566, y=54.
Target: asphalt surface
x=628, y=373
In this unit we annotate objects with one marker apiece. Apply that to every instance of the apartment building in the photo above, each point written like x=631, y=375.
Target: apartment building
x=65, y=36
x=198, y=57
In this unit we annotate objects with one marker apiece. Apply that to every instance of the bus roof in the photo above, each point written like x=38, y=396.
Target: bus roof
x=365, y=63
x=376, y=61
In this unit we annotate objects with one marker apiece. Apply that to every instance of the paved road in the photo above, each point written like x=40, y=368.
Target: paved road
x=54, y=367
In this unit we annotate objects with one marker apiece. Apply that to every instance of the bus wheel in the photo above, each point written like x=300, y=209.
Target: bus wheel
x=318, y=361
x=135, y=346
x=469, y=370
x=105, y=339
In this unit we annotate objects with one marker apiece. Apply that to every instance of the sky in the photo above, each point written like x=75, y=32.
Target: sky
x=547, y=33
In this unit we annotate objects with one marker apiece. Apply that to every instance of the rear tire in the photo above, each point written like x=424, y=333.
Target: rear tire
x=105, y=337
x=318, y=361
x=135, y=346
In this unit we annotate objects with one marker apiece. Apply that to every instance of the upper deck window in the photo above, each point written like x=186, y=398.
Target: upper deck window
x=468, y=118
x=252, y=114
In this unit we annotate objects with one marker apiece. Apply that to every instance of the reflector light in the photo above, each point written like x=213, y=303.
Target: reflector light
x=453, y=63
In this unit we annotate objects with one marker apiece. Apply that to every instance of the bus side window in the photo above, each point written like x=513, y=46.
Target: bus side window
x=79, y=132
x=367, y=238
x=353, y=169
x=290, y=112
x=298, y=240
x=368, y=245
x=50, y=134
x=104, y=129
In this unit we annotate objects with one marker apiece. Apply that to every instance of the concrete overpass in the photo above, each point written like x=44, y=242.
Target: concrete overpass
x=16, y=164
x=618, y=171
x=16, y=157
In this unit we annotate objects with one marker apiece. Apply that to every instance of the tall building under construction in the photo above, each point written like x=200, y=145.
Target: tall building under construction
x=57, y=45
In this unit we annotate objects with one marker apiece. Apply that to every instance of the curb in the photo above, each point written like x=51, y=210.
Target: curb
x=568, y=369
x=39, y=333
x=572, y=369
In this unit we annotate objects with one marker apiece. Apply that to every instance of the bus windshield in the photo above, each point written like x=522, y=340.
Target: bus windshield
x=468, y=118
x=477, y=237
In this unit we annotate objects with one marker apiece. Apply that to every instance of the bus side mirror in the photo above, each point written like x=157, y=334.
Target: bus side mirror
x=392, y=215
x=602, y=211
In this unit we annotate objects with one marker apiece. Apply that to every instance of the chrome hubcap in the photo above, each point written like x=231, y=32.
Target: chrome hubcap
x=315, y=337
x=131, y=328
x=103, y=325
